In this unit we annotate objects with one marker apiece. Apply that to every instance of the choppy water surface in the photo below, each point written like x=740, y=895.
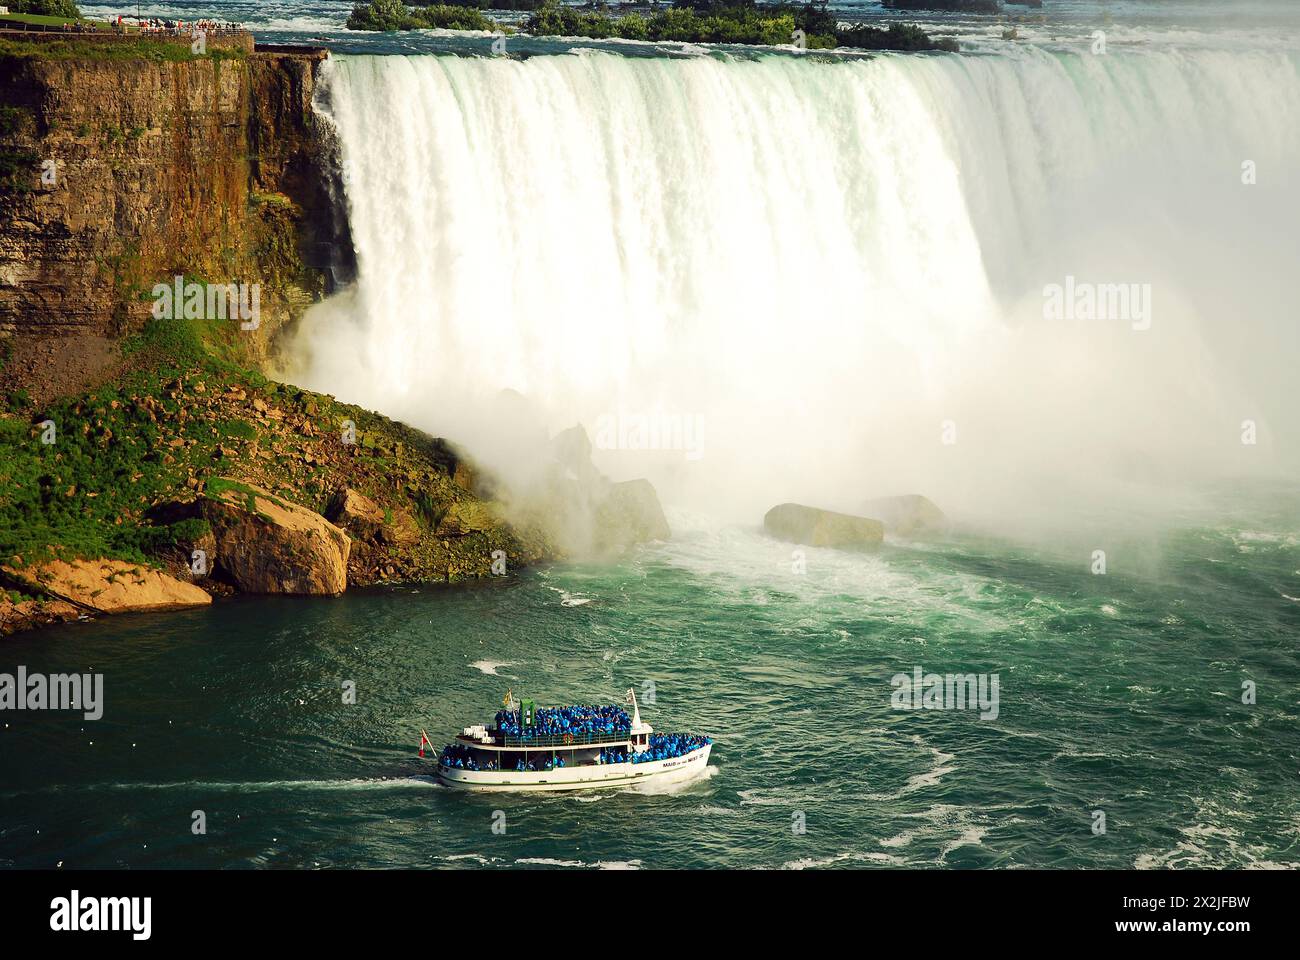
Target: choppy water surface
x=1119, y=692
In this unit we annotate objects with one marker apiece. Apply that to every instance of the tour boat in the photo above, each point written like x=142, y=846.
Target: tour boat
x=568, y=748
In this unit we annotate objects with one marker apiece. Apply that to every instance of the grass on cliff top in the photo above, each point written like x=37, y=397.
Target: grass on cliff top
x=110, y=48
x=180, y=420
x=37, y=19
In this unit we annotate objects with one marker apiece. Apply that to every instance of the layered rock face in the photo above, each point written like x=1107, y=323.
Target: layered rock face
x=124, y=173
x=797, y=523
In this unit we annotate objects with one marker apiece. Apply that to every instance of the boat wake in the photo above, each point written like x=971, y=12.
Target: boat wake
x=356, y=784
x=940, y=767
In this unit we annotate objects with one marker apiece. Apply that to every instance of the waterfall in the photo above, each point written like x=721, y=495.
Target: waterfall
x=837, y=269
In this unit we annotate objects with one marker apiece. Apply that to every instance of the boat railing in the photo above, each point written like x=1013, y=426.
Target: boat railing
x=567, y=739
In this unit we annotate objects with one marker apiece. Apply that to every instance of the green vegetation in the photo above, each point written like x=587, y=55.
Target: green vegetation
x=35, y=20
x=189, y=413
x=237, y=430
x=218, y=488
x=79, y=47
x=897, y=36
x=731, y=23
x=18, y=165
x=55, y=9
x=84, y=494
x=394, y=15
x=688, y=21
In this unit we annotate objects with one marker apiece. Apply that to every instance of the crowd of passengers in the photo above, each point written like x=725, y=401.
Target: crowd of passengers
x=462, y=758
x=580, y=721
x=663, y=746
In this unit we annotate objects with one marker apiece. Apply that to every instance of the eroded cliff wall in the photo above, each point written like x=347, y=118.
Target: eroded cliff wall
x=117, y=173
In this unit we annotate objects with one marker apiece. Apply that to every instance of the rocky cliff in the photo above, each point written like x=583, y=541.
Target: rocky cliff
x=123, y=166
x=145, y=460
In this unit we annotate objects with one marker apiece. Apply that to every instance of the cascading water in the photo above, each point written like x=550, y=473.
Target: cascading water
x=838, y=269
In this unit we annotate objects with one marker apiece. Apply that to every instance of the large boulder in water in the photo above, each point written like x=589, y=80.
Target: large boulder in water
x=268, y=545
x=822, y=528
x=630, y=513
x=907, y=515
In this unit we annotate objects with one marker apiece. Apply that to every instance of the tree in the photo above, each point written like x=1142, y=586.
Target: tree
x=47, y=8
x=378, y=15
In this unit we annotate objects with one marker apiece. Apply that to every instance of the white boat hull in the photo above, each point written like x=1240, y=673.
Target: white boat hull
x=674, y=770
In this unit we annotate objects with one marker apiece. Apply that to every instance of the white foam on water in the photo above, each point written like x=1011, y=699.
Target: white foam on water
x=1213, y=841
x=579, y=864
x=476, y=857
x=791, y=797
x=940, y=766
x=812, y=863
x=568, y=599
x=720, y=811
x=660, y=789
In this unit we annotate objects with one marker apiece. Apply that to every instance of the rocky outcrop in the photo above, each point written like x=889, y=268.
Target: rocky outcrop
x=585, y=512
x=366, y=521
x=215, y=168
x=379, y=535
x=108, y=586
x=907, y=516
x=268, y=545
x=30, y=614
x=822, y=528
x=468, y=516
x=630, y=513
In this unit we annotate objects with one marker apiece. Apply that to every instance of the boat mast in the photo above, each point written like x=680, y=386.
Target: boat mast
x=636, y=709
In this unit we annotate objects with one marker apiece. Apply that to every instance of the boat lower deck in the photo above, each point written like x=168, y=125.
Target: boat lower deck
x=580, y=776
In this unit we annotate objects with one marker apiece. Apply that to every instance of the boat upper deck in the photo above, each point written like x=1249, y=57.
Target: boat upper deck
x=565, y=741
